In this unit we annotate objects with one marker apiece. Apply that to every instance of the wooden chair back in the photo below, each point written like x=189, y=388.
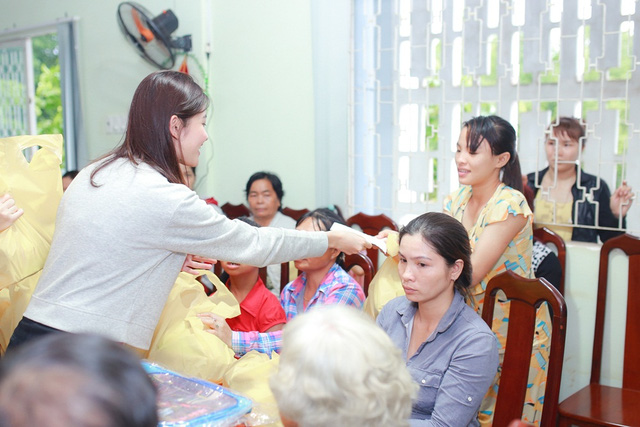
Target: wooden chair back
x=372, y=224
x=363, y=262
x=284, y=275
x=296, y=214
x=546, y=236
x=235, y=211
x=602, y=405
x=526, y=296
x=630, y=245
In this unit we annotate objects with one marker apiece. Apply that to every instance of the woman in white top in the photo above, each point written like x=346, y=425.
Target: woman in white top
x=264, y=195
x=126, y=225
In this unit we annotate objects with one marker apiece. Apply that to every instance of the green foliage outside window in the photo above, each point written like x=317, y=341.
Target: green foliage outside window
x=48, y=101
x=46, y=75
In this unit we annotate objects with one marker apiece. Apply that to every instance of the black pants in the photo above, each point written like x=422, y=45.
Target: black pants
x=26, y=331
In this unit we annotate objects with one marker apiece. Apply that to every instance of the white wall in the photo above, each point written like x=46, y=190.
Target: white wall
x=261, y=84
x=262, y=90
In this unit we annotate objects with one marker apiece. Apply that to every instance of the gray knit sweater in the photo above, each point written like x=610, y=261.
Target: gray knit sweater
x=118, y=248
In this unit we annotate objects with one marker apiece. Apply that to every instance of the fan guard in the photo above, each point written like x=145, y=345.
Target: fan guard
x=152, y=36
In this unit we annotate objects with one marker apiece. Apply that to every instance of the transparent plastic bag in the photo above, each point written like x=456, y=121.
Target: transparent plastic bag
x=191, y=402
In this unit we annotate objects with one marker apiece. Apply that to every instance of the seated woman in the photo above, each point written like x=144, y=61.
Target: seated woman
x=493, y=210
x=260, y=310
x=322, y=282
x=329, y=375
x=264, y=196
x=450, y=352
x=490, y=203
x=562, y=194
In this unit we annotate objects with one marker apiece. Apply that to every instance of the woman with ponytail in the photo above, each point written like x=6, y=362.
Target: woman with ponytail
x=498, y=219
x=490, y=203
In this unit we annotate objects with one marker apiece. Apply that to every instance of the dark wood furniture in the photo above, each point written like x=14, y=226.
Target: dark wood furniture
x=363, y=262
x=526, y=296
x=235, y=211
x=294, y=213
x=284, y=275
x=372, y=225
x=597, y=404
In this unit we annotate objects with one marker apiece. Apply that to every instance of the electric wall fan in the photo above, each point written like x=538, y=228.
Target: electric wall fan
x=152, y=36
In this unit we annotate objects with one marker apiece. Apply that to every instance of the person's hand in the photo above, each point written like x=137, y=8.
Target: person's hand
x=384, y=233
x=9, y=212
x=621, y=200
x=347, y=242
x=217, y=326
x=391, y=238
x=192, y=263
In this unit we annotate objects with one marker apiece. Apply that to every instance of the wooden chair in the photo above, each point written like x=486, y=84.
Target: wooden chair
x=294, y=213
x=284, y=275
x=235, y=211
x=372, y=224
x=546, y=236
x=597, y=404
x=363, y=262
x=525, y=296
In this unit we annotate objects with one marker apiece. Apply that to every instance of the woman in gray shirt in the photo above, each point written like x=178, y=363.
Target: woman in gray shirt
x=127, y=224
x=450, y=352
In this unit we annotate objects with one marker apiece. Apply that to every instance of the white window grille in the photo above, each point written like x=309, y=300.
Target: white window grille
x=421, y=68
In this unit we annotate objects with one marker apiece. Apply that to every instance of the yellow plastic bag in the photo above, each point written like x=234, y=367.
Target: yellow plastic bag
x=36, y=187
x=384, y=287
x=249, y=376
x=181, y=342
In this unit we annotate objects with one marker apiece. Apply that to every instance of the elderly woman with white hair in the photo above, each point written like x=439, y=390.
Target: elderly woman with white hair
x=338, y=368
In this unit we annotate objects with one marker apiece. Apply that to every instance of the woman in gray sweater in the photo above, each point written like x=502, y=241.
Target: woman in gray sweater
x=127, y=223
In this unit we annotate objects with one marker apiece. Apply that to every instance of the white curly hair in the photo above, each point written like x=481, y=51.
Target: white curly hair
x=337, y=367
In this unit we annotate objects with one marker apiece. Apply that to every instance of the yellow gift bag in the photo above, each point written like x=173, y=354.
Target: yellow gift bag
x=249, y=376
x=181, y=342
x=384, y=287
x=36, y=187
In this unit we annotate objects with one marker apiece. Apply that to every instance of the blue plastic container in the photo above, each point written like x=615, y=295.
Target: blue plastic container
x=191, y=402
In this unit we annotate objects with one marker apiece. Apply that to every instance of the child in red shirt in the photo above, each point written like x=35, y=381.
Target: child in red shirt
x=260, y=310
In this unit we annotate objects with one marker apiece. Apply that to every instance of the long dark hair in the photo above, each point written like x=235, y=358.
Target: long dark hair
x=501, y=137
x=448, y=237
x=148, y=138
x=323, y=219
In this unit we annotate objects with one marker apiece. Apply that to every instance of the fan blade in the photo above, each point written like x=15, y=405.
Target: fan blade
x=146, y=33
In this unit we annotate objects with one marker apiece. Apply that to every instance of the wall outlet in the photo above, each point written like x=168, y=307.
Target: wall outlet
x=116, y=124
